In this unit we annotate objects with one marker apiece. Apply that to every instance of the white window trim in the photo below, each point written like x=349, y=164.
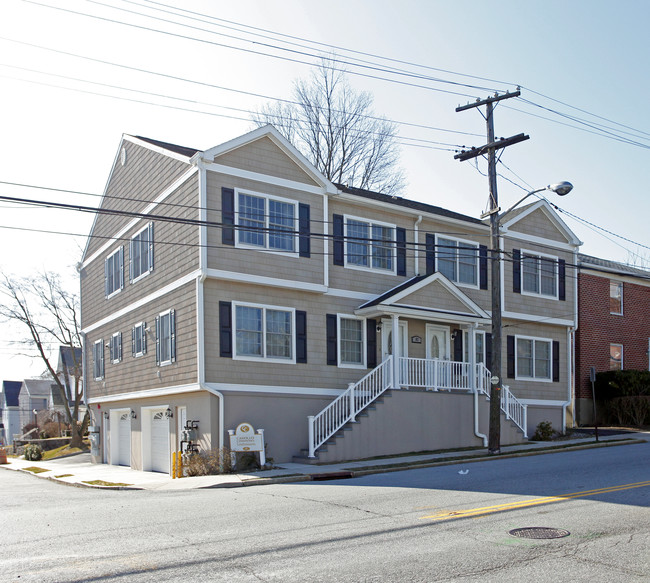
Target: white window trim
x=610, y=355
x=116, y=343
x=264, y=358
x=370, y=222
x=464, y=243
x=484, y=354
x=266, y=248
x=171, y=355
x=120, y=285
x=99, y=343
x=149, y=262
x=141, y=326
x=533, y=378
x=617, y=282
x=364, y=347
x=555, y=260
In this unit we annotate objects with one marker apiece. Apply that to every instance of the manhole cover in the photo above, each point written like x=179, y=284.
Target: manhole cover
x=539, y=532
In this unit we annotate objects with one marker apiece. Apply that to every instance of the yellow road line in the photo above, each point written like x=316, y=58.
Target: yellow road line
x=531, y=502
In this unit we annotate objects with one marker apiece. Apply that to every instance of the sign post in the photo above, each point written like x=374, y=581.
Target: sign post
x=592, y=378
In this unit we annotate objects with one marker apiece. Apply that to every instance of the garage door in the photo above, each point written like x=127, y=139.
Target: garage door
x=124, y=440
x=160, y=443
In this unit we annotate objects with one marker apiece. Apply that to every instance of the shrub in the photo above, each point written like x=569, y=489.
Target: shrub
x=29, y=427
x=51, y=429
x=633, y=411
x=33, y=452
x=622, y=383
x=208, y=463
x=544, y=431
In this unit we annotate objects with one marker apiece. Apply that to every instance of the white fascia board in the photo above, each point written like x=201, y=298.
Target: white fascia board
x=344, y=196
x=349, y=294
x=264, y=280
x=279, y=140
x=552, y=216
x=264, y=178
x=149, y=208
x=507, y=234
x=418, y=313
x=163, y=291
x=538, y=319
x=542, y=403
x=146, y=394
x=302, y=391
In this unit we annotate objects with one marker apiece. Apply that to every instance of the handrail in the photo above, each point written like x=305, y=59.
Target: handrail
x=349, y=404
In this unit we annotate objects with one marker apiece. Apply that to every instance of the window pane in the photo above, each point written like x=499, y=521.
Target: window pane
x=530, y=273
x=480, y=347
x=467, y=262
x=382, y=247
x=278, y=334
x=249, y=331
x=446, y=251
x=542, y=360
x=548, y=277
x=615, y=357
x=351, y=341
x=524, y=357
x=165, y=338
x=281, y=225
x=251, y=214
x=358, y=248
x=615, y=297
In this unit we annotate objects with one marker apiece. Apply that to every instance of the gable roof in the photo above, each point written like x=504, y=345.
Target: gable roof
x=11, y=392
x=37, y=387
x=182, y=150
x=67, y=358
x=598, y=264
x=544, y=206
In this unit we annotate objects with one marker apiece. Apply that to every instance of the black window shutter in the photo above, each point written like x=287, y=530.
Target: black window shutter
x=339, y=249
x=431, y=253
x=332, y=357
x=561, y=279
x=483, y=266
x=488, y=351
x=556, y=361
x=458, y=345
x=371, y=343
x=516, y=271
x=227, y=216
x=225, y=329
x=304, y=244
x=301, y=336
x=400, y=239
x=510, y=345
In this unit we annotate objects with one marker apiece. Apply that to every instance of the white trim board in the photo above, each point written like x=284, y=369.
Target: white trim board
x=243, y=277
x=301, y=391
x=147, y=394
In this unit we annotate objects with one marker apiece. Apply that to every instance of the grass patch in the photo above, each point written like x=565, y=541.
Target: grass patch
x=35, y=470
x=64, y=476
x=63, y=451
x=104, y=483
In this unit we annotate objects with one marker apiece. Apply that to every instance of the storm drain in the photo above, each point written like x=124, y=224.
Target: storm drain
x=539, y=532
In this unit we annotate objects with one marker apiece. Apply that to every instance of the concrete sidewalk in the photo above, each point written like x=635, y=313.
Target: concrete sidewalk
x=77, y=470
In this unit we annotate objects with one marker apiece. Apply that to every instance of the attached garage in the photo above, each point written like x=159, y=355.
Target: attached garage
x=155, y=440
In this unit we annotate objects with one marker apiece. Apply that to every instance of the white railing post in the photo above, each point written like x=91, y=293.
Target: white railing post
x=353, y=407
x=525, y=427
x=310, y=424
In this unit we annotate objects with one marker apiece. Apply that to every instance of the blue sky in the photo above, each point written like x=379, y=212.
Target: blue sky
x=576, y=58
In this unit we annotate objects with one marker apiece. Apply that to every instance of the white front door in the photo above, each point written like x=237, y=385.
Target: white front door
x=387, y=339
x=437, y=351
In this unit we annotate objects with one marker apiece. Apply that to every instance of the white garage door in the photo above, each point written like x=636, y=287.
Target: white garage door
x=160, y=442
x=124, y=440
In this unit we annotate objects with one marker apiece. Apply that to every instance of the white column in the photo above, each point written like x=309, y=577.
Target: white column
x=396, y=352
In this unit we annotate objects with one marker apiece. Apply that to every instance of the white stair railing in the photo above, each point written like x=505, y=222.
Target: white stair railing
x=349, y=404
x=434, y=375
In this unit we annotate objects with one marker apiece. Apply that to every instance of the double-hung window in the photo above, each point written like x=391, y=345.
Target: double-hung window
x=534, y=358
x=539, y=275
x=115, y=347
x=141, y=252
x=370, y=245
x=458, y=260
x=139, y=339
x=616, y=298
x=352, y=341
x=98, y=360
x=166, y=338
x=266, y=222
x=264, y=332
x=114, y=272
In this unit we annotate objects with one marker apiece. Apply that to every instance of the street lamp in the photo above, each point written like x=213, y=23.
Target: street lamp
x=494, y=433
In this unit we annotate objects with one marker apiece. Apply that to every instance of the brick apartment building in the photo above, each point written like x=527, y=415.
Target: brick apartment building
x=613, y=325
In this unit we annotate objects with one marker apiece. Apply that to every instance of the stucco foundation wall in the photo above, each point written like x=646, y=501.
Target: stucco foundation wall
x=538, y=414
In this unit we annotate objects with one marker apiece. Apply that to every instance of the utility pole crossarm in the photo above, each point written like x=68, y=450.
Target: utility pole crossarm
x=480, y=102
x=497, y=145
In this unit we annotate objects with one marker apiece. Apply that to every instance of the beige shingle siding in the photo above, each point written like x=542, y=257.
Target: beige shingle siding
x=263, y=156
x=140, y=373
x=144, y=176
x=537, y=223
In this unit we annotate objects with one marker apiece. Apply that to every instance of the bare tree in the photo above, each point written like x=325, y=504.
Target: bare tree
x=51, y=315
x=335, y=128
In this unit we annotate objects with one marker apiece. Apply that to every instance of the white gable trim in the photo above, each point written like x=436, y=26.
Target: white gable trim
x=282, y=143
x=539, y=240
x=546, y=208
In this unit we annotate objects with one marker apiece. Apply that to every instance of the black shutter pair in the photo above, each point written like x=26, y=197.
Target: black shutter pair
x=331, y=329
x=225, y=332
x=555, y=363
x=516, y=275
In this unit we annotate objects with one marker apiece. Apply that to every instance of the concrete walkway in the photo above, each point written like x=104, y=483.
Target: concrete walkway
x=77, y=470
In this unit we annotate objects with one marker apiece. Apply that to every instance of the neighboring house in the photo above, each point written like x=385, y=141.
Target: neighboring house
x=69, y=370
x=10, y=406
x=34, y=397
x=239, y=284
x=614, y=330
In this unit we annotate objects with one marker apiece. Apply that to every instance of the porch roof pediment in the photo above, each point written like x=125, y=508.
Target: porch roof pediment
x=425, y=296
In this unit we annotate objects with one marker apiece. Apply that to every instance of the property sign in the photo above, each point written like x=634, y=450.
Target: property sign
x=244, y=438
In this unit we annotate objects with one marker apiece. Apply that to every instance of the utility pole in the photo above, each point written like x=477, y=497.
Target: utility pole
x=489, y=149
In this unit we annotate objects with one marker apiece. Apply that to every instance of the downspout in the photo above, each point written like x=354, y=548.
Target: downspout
x=416, y=237
x=200, y=320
